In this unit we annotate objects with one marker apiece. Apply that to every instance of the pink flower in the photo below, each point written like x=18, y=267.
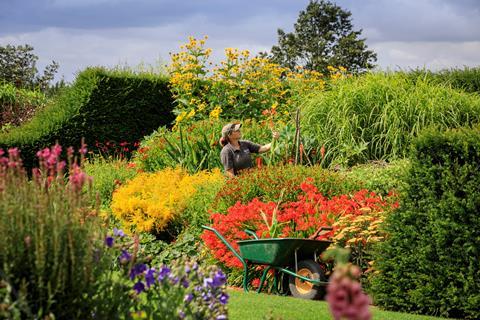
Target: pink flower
x=345, y=296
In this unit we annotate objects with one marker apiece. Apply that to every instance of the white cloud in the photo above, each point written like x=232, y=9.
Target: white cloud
x=431, y=55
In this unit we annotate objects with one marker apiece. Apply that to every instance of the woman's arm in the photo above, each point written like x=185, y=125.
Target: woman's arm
x=265, y=148
x=268, y=146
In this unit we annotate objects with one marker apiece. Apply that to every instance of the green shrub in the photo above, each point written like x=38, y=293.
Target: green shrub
x=430, y=261
x=18, y=105
x=107, y=175
x=375, y=116
x=100, y=106
x=379, y=177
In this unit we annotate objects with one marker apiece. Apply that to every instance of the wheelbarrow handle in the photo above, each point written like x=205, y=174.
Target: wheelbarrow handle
x=319, y=231
x=229, y=246
x=251, y=232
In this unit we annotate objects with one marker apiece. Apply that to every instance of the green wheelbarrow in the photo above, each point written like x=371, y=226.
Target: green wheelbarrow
x=294, y=263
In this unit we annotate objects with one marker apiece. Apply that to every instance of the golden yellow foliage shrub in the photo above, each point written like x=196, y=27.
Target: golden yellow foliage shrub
x=151, y=200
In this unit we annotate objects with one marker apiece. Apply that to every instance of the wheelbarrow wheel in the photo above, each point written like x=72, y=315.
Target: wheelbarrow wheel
x=304, y=289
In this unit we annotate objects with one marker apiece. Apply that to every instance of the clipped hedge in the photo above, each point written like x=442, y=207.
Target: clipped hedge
x=376, y=116
x=430, y=262
x=100, y=106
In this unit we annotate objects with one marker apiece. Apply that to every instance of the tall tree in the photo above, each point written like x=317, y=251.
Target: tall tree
x=323, y=36
x=18, y=66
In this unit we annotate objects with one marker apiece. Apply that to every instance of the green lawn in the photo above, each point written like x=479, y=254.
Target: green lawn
x=246, y=306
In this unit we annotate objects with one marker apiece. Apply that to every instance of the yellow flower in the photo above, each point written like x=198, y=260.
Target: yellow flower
x=215, y=113
x=151, y=200
x=191, y=114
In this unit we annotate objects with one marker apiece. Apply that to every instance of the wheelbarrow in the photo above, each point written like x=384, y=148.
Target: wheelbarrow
x=292, y=258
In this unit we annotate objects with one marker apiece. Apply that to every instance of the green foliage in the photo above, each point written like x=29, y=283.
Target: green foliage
x=107, y=175
x=430, y=262
x=161, y=252
x=379, y=177
x=323, y=37
x=18, y=67
x=375, y=116
x=100, y=106
x=197, y=212
x=467, y=79
x=18, y=105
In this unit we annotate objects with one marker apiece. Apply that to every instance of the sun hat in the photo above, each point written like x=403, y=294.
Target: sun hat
x=229, y=128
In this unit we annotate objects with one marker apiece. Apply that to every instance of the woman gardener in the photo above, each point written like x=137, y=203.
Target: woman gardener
x=236, y=153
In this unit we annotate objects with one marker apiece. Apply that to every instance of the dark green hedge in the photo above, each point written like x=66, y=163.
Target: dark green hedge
x=100, y=106
x=430, y=263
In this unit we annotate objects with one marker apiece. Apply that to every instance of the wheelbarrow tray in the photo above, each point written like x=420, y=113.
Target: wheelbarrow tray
x=279, y=252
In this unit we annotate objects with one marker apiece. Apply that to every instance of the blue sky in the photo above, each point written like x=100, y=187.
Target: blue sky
x=405, y=34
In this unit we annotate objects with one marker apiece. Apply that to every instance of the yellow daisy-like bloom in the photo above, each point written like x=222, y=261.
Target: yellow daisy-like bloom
x=215, y=113
x=191, y=114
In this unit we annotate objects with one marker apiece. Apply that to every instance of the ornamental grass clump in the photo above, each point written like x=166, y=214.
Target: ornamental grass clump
x=376, y=116
x=150, y=201
x=49, y=231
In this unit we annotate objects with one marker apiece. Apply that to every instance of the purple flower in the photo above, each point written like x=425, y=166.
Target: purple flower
x=150, y=277
x=219, y=279
x=207, y=282
x=139, y=287
x=187, y=269
x=181, y=314
x=173, y=279
x=109, y=241
x=223, y=298
x=124, y=257
x=185, y=283
x=206, y=296
x=118, y=232
x=188, y=298
x=222, y=317
x=137, y=270
x=164, y=271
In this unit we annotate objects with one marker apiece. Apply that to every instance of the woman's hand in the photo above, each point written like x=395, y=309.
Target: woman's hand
x=275, y=135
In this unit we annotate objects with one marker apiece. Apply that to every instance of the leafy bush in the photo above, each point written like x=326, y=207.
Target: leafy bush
x=429, y=262
x=18, y=105
x=108, y=175
x=379, y=177
x=150, y=201
x=375, y=116
x=100, y=106
x=50, y=235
